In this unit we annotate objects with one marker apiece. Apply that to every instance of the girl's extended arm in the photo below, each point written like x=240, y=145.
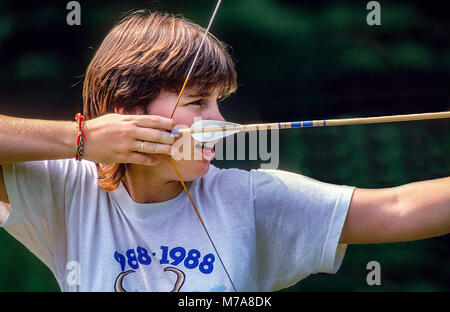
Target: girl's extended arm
x=409, y=212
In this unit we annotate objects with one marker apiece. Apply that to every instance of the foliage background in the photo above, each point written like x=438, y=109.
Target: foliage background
x=296, y=60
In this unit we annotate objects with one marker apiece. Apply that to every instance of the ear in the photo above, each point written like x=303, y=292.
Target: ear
x=120, y=110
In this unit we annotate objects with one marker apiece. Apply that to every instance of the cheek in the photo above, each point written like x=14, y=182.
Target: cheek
x=159, y=110
x=185, y=117
x=182, y=117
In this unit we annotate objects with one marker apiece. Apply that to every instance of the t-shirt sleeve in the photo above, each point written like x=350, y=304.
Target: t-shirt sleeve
x=299, y=221
x=41, y=194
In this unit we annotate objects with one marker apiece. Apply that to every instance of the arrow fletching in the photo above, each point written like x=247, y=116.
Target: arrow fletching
x=222, y=129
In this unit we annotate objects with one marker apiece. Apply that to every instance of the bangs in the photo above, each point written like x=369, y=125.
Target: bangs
x=214, y=69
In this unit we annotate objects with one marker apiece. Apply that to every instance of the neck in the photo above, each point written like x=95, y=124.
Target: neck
x=145, y=185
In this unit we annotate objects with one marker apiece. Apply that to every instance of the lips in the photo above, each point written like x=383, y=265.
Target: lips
x=207, y=149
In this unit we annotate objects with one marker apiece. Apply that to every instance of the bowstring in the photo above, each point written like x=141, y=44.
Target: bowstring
x=188, y=76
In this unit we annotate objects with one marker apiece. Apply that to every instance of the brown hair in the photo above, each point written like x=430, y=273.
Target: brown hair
x=143, y=54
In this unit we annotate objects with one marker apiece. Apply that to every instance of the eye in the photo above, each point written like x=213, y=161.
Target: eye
x=197, y=103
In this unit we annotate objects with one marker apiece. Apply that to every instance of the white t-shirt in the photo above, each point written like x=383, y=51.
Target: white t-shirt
x=271, y=228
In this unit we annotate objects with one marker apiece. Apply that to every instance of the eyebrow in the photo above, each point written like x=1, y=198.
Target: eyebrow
x=198, y=94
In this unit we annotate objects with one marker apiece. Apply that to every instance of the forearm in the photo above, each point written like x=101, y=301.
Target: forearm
x=31, y=139
x=424, y=209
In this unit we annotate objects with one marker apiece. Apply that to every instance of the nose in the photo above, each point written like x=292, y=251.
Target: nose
x=214, y=114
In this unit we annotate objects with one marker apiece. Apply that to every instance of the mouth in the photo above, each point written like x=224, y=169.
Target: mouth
x=207, y=149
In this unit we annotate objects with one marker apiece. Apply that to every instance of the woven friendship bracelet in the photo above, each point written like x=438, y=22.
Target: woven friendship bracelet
x=81, y=139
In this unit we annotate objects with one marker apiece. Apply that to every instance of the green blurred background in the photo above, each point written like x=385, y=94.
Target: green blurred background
x=296, y=60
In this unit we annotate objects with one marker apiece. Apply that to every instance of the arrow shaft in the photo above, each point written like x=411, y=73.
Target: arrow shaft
x=317, y=123
x=386, y=119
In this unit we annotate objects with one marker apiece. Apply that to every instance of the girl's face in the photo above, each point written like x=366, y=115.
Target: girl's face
x=196, y=156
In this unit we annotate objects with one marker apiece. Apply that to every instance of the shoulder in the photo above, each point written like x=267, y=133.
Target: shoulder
x=224, y=182
x=263, y=181
x=72, y=167
x=255, y=177
x=219, y=176
x=55, y=164
x=60, y=171
x=279, y=177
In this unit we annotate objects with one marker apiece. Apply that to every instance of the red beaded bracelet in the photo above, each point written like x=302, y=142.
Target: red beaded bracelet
x=81, y=137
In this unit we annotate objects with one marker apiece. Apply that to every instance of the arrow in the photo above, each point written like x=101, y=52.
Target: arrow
x=211, y=130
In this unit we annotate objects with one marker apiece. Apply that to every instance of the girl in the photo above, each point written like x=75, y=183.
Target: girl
x=120, y=221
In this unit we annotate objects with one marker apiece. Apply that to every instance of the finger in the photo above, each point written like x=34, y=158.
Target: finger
x=154, y=121
x=154, y=135
x=143, y=159
x=152, y=148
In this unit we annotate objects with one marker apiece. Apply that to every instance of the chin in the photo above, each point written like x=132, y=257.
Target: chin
x=205, y=166
x=201, y=168
x=193, y=169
